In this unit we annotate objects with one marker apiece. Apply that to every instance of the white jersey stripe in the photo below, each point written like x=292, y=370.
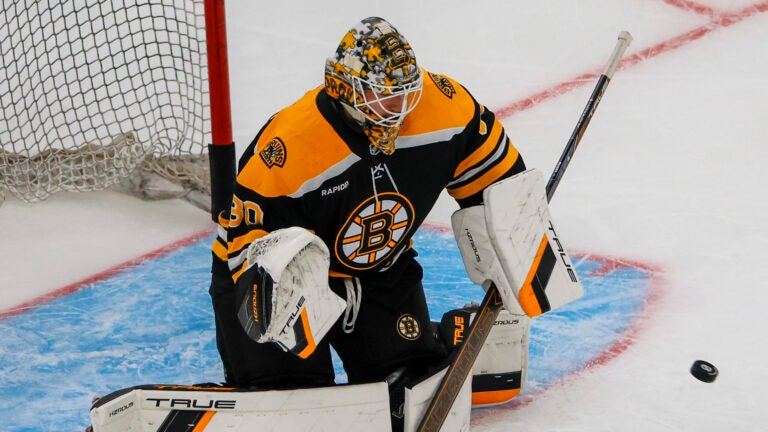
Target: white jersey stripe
x=437, y=136
x=497, y=155
x=335, y=170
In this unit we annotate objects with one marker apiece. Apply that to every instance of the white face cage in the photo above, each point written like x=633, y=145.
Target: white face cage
x=386, y=105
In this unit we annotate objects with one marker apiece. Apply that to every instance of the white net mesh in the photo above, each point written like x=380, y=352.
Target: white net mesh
x=92, y=92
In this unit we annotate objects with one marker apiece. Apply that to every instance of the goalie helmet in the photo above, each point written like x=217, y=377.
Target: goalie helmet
x=374, y=76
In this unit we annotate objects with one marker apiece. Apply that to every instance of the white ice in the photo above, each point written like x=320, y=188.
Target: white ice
x=671, y=172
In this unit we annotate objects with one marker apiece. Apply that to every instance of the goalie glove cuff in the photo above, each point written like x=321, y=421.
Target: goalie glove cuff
x=478, y=254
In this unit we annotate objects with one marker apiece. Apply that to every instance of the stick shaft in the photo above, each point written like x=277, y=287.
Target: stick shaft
x=467, y=353
x=594, y=100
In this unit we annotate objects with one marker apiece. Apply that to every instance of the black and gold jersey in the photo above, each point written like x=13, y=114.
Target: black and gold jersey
x=308, y=167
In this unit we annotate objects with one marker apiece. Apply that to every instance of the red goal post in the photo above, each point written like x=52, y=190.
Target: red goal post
x=114, y=94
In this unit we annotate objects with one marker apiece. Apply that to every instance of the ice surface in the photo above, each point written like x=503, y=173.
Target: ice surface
x=670, y=173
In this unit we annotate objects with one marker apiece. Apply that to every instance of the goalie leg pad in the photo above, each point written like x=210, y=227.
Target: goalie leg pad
x=363, y=407
x=419, y=396
x=500, y=370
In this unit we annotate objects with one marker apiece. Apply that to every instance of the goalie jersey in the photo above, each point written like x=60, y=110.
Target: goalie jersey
x=309, y=167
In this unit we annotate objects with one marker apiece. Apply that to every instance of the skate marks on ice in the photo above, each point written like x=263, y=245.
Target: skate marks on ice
x=152, y=323
x=149, y=323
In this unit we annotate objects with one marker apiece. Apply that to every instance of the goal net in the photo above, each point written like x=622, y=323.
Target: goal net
x=101, y=93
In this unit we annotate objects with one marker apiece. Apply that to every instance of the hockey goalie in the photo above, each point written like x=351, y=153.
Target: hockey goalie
x=316, y=254
x=302, y=309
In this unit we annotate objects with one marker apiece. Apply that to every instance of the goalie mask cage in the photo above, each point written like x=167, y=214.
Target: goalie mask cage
x=93, y=92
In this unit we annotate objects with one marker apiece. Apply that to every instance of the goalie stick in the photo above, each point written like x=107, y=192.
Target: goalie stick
x=464, y=357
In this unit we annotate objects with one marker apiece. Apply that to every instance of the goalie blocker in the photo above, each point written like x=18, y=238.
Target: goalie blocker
x=511, y=241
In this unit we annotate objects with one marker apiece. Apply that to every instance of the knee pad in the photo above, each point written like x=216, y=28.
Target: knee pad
x=500, y=370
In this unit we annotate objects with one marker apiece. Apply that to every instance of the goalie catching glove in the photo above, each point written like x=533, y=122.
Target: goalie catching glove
x=284, y=294
x=510, y=240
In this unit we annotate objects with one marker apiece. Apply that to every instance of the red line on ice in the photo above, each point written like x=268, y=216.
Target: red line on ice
x=653, y=297
x=718, y=21
x=71, y=288
x=691, y=6
x=657, y=282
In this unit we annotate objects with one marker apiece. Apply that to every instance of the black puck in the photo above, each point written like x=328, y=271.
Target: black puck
x=704, y=371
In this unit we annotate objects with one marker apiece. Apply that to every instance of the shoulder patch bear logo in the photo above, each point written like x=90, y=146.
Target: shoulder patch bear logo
x=274, y=153
x=443, y=84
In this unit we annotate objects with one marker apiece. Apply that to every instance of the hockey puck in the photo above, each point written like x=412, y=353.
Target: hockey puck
x=704, y=371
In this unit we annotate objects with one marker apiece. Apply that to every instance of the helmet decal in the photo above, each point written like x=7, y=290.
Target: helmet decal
x=374, y=74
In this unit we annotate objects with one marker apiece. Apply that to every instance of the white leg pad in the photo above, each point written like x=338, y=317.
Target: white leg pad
x=501, y=370
x=417, y=401
x=363, y=407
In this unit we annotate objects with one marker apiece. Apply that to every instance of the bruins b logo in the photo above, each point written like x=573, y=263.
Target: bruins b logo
x=274, y=153
x=374, y=231
x=408, y=327
x=443, y=84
